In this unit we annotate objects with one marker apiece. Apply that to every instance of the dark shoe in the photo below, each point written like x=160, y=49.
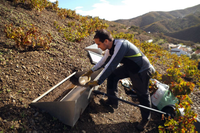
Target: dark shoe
x=108, y=103
x=142, y=125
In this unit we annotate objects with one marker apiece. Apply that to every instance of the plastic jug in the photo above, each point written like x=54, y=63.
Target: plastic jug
x=162, y=88
x=167, y=99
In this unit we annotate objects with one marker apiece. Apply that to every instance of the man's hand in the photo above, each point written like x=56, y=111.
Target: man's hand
x=92, y=83
x=88, y=74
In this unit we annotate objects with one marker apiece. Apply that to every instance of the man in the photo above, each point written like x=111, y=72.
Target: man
x=135, y=65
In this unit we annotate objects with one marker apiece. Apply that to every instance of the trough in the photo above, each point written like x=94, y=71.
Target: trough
x=68, y=106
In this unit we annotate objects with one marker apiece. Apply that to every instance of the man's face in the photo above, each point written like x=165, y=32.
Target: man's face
x=103, y=46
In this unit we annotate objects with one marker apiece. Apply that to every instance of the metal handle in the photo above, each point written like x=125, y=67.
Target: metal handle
x=141, y=106
x=41, y=96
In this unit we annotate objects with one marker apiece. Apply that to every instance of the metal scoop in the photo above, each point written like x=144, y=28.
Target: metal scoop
x=84, y=79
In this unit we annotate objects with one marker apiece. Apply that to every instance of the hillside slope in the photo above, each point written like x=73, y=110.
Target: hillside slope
x=191, y=33
x=173, y=25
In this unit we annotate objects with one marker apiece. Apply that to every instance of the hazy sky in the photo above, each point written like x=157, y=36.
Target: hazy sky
x=123, y=9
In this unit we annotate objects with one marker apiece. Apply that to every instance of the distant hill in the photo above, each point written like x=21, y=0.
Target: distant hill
x=191, y=33
x=173, y=25
x=173, y=22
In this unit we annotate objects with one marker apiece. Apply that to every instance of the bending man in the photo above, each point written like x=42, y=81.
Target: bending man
x=136, y=66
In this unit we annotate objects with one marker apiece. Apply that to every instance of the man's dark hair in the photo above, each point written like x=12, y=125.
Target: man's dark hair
x=103, y=35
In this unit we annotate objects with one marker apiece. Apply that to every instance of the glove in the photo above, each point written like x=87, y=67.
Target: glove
x=88, y=74
x=92, y=83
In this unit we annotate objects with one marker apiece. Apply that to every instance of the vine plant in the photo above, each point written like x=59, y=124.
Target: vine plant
x=28, y=38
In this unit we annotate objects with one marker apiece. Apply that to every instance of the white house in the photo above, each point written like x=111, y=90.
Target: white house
x=197, y=52
x=181, y=49
x=149, y=41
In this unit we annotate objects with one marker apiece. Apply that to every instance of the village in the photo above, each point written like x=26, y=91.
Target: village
x=179, y=49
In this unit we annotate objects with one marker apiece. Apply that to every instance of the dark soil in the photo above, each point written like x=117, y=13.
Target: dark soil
x=25, y=75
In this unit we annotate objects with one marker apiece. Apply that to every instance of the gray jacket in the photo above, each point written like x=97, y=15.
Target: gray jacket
x=125, y=52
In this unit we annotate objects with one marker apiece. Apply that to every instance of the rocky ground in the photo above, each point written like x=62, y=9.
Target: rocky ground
x=25, y=75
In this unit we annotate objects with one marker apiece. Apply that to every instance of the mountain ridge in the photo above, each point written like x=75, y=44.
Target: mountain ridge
x=167, y=22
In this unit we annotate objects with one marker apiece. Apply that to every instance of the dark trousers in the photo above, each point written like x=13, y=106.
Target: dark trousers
x=140, y=83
